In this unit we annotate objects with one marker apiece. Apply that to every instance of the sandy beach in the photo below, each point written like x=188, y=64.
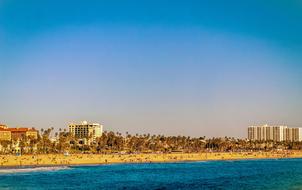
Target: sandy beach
x=83, y=159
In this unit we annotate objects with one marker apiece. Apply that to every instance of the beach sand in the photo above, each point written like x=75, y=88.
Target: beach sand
x=86, y=159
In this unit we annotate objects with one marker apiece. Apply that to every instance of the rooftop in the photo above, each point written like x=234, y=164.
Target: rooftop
x=17, y=129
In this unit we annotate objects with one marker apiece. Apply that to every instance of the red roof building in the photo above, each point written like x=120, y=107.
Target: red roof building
x=19, y=133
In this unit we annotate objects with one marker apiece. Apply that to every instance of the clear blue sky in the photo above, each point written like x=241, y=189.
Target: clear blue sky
x=162, y=67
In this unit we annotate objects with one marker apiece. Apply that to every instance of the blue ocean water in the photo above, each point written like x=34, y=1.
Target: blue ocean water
x=245, y=174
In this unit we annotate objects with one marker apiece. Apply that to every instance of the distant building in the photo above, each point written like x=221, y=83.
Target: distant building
x=2, y=126
x=5, y=135
x=54, y=139
x=274, y=133
x=16, y=133
x=86, y=131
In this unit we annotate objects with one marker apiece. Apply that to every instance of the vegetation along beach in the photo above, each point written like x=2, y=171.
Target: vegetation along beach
x=113, y=147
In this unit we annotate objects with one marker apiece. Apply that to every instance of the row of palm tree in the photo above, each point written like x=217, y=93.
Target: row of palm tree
x=111, y=142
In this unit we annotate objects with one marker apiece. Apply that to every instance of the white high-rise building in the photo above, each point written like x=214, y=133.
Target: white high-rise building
x=274, y=133
x=85, y=130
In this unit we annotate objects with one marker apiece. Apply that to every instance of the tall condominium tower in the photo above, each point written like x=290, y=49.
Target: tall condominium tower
x=274, y=133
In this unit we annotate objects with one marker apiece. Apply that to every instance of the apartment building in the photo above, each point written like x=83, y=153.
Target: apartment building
x=87, y=131
x=17, y=133
x=274, y=133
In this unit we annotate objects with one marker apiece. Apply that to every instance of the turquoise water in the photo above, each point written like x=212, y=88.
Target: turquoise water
x=251, y=174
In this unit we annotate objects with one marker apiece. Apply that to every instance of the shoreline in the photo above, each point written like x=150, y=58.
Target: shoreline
x=52, y=160
x=118, y=163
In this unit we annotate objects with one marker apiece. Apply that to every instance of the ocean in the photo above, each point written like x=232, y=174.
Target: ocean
x=244, y=174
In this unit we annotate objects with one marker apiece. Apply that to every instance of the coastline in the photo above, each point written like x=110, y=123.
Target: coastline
x=44, y=160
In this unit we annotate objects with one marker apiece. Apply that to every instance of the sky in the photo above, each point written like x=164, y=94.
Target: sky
x=198, y=68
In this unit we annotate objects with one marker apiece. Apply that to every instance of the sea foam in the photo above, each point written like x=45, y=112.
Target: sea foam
x=35, y=169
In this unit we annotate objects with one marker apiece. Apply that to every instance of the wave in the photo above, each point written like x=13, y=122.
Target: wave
x=35, y=169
